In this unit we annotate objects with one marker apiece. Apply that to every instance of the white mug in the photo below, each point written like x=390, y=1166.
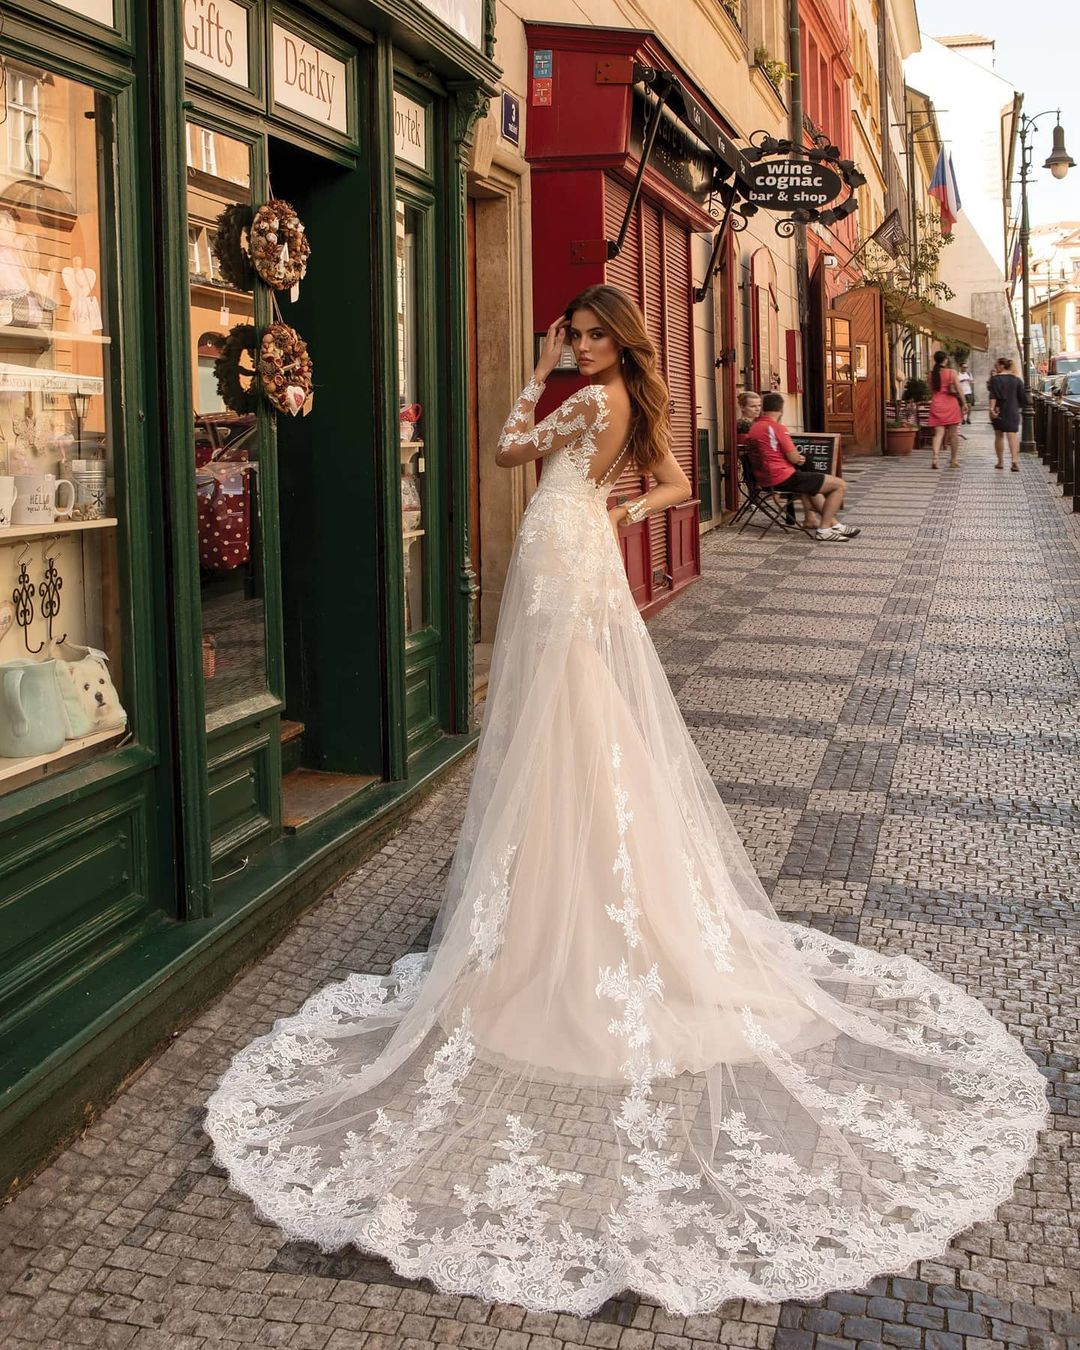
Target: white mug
x=7, y=499
x=38, y=499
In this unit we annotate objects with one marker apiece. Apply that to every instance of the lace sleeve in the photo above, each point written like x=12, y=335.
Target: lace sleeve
x=519, y=442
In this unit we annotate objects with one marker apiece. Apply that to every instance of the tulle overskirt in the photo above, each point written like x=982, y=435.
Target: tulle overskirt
x=615, y=1068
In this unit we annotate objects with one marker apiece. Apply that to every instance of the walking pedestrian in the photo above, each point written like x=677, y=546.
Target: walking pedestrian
x=615, y=1066
x=967, y=388
x=1008, y=395
x=946, y=410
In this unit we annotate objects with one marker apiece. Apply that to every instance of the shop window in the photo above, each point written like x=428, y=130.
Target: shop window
x=23, y=123
x=225, y=468
x=62, y=656
x=415, y=516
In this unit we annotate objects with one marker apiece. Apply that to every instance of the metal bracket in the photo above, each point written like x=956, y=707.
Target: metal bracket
x=663, y=82
x=616, y=70
x=591, y=251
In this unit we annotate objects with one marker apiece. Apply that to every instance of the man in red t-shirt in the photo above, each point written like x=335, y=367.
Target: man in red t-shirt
x=777, y=464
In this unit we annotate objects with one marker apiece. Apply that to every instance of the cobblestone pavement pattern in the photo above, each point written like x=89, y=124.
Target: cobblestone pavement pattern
x=893, y=722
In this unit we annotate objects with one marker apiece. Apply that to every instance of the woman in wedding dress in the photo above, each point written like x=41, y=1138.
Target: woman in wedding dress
x=615, y=1068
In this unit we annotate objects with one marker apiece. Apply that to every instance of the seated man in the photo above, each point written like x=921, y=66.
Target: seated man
x=777, y=464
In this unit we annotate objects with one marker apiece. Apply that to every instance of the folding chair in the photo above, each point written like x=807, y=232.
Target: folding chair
x=925, y=435
x=760, y=497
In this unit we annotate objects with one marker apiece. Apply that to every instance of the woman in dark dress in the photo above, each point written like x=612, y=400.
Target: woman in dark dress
x=1008, y=395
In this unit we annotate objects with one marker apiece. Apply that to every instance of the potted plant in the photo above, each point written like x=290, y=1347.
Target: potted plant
x=900, y=434
x=916, y=390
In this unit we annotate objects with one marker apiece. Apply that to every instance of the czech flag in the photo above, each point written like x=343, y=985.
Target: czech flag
x=943, y=187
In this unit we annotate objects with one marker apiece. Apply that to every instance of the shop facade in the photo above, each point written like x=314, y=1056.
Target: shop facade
x=615, y=202
x=240, y=639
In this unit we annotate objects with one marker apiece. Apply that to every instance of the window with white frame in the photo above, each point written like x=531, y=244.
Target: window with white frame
x=209, y=151
x=23, y=123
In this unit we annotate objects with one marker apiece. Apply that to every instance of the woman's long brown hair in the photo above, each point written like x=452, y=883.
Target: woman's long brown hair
x=650, y=419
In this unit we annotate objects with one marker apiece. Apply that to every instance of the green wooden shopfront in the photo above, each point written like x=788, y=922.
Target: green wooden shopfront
x=239, y=643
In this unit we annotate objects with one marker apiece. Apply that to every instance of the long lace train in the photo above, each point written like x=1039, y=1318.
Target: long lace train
x=615, y=1067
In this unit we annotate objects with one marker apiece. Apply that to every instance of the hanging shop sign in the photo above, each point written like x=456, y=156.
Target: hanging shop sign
x=676, y=154
x=101, y=11
x=463, y=16
x=309, y=80
x=792, y=184
x=216, y=38
x=410, y=131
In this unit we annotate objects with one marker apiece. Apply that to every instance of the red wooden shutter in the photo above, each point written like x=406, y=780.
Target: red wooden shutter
x=653, y=268
x=679, y=344
x=625, y=272
x=653, y=274
x=683, y=542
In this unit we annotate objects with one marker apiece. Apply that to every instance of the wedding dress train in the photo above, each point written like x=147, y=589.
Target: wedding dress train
x=615, y=1068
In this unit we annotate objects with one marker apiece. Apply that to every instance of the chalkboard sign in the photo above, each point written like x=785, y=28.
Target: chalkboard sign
x=821, y=449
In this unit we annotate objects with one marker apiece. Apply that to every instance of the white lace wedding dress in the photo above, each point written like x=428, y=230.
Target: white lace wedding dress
x=615, y=1068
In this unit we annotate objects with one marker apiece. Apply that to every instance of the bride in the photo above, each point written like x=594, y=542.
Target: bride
x=615, y=1067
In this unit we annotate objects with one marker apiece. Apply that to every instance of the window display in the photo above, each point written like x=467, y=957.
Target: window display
x=61, y=668
x=413, y=464
x=226, y=441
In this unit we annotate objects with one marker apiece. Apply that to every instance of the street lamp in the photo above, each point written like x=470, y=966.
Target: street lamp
x=1059, y=162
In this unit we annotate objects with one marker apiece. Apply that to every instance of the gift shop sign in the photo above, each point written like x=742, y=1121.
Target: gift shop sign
x=309, y=80
x=787, y=184
x=216, y=38
x=410, y=131
x=101, y=11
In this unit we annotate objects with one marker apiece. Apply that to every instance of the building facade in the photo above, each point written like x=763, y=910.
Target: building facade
x=738, y=334
x=977, y=115
x=1055, y=291
x=242, y=638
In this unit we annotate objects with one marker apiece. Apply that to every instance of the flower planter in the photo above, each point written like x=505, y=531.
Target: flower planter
x=900, y=440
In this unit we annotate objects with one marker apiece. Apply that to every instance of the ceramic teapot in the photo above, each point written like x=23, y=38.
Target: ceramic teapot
x=31, y=714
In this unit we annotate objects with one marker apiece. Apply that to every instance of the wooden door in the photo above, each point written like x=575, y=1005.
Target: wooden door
x=839, y=373
x=863, y=308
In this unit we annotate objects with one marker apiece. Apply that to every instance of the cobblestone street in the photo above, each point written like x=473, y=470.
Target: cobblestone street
x=912, y=787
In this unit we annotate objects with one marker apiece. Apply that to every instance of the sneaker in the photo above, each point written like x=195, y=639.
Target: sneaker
x=850, y=530
x=831, y=536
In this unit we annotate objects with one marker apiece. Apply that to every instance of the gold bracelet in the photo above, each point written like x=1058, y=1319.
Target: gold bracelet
x=637, y=510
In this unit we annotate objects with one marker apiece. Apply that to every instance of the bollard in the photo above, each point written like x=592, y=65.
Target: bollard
x=1068, y=456
x=1043, y=432
x=1076, y=464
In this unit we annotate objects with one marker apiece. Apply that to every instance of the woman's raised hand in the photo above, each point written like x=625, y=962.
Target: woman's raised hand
x=554, y=341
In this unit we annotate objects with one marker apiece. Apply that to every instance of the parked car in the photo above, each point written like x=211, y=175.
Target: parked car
x=1064, y=364
x=1069, y=391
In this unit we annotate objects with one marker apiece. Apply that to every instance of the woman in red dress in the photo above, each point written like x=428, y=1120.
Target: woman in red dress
x=946, y=409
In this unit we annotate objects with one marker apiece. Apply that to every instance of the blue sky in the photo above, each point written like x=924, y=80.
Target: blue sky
x=1039, y=58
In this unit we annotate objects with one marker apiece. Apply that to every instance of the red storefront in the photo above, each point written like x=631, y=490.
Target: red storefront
x=589, y=109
